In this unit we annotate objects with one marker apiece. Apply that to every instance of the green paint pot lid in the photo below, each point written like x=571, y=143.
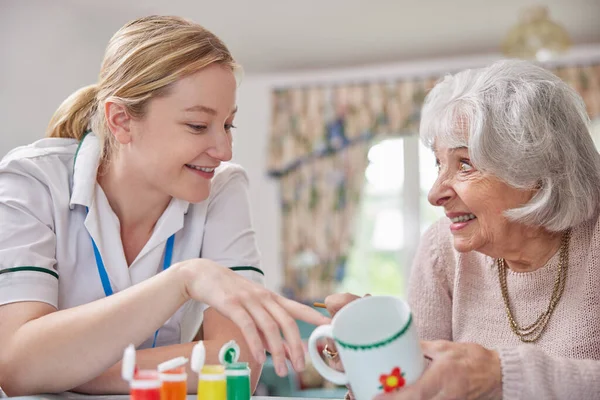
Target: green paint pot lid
x=229, y=353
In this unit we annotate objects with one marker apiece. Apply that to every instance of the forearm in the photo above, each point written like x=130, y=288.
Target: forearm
x=528, y=372
x=64, y=349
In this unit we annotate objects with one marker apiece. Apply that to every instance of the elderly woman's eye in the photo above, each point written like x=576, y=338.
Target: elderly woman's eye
x=465, y=166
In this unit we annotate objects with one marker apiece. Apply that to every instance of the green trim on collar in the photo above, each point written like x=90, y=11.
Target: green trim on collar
x=29, y=268
x=247, y=268
x=377, y=344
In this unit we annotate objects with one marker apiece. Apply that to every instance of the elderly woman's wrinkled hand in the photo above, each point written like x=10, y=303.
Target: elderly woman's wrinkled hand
x=457, y=371
x=337, y=301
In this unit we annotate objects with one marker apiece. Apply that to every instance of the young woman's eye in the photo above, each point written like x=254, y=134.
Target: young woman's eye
x=229, y=127
x=465, y=166
x=197, y=128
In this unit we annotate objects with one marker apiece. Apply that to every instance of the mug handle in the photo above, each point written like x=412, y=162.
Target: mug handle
x=324, y=331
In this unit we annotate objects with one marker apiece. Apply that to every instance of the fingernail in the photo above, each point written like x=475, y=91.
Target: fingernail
x=299, y=363
x=281, y=370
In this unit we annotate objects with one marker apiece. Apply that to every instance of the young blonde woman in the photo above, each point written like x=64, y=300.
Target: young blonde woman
x=126, y=224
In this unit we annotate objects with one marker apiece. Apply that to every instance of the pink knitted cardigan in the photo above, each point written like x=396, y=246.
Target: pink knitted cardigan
x=457, y=297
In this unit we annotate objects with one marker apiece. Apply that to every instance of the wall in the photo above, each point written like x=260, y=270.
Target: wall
x=42, y=62
x=250, y=150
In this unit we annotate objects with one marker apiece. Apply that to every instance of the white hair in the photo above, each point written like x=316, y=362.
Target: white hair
x=524, y=125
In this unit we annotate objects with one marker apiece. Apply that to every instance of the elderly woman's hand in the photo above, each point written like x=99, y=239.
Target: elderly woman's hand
x=457, y=371
x=336, y=302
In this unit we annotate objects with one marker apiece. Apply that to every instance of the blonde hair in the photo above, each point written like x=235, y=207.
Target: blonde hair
x=141, y=61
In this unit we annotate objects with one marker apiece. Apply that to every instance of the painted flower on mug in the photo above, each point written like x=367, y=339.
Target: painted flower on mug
x=395, y=380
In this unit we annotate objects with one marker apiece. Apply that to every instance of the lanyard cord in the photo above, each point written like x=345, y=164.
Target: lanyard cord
x=104, y=275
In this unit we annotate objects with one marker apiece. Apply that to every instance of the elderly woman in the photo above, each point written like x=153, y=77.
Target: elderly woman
x=506, y=289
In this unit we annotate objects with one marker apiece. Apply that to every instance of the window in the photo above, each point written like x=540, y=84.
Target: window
x=393, y=214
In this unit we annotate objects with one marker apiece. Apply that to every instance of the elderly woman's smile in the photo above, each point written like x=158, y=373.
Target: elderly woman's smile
x=459, y=220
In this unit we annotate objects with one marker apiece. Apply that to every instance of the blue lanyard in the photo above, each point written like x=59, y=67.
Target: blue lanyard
x=104, y=276
x=102, y=270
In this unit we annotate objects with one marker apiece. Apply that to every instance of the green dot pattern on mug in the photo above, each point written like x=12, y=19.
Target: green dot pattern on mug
x=377, y=344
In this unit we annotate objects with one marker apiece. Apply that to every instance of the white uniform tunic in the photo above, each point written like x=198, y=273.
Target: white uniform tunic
x=46, y=231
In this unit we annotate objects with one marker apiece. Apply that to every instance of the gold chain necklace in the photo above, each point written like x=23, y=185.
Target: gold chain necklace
x=532, y=333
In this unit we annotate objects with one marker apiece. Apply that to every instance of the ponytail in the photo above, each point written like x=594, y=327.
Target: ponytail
x=72, y=118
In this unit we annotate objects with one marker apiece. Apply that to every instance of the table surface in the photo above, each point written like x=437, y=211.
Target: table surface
x=75, y=396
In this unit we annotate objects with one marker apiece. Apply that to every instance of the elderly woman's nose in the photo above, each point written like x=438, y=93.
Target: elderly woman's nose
x=440, y=192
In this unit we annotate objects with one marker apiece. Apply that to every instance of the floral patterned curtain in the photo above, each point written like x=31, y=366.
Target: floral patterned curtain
x=319, y=141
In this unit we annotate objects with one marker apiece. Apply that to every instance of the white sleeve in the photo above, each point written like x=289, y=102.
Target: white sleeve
x=27, y=240
x=229, y=238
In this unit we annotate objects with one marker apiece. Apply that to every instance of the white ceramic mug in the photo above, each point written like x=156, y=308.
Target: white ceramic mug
x=377, y=342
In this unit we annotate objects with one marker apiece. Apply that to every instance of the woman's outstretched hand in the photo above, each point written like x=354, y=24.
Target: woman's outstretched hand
x=261, y=314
